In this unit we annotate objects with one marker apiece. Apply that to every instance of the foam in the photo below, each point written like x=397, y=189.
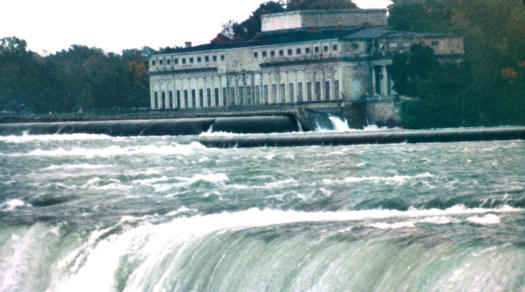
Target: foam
x=54, y=137
x=489, y=219
x=397, y=179
x=256, y=218
x=75, y=167
x=111, y=151
x=210, y=177
x=14, y=204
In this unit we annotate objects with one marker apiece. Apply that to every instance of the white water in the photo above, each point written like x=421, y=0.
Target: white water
x=340, y=124
x=216, y=253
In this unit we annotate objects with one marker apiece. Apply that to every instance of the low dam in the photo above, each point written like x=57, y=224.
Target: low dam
x=364, y=137
x=259, y=131
x=159, y=127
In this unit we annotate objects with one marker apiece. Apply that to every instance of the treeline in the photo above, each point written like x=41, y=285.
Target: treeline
x=487, y=88
x=67, y=81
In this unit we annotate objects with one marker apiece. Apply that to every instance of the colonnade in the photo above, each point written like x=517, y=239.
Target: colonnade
x=244, y=88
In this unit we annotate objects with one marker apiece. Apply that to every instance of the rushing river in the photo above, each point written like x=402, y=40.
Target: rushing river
x=99, y=213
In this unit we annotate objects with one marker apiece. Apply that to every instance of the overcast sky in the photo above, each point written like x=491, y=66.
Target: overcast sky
x=114, y=25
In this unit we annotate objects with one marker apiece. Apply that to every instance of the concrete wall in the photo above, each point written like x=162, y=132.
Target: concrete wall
x=325, y=18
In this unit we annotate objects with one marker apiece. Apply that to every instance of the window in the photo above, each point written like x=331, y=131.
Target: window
x=318, y=90
x=208, y=96
x=183, y=60
x=307, y=50
x=168, y=62
x=206, y=59
x=291, y=92
x=299, y=91
x=176, y=61
x=222, y=57
x=256, y=55
x=316, y=50
x=281, y=53
x=185, y=99
x=249, y=95
x=216, y=91
x=264, y=54
x=265, y=89
x=214, y=58
x=298, y=51
x=178, y=99
x=290, y=52
x=193, y=99
x=257, y=95
x=224, y=96
x=170, y=99
x=355, y=46
x=274, y=92
x=241, y=95
x=156, y=100
x=160, y=62
x=336, y=89
x=309, y=90
x=325, y=48
x=163, y=104
x=152, y=62
x=201, y=98
x=199, y=59
x=327, y=90
x=191, y=60
x=282, y=93
x=335, y=48
x=272, y=54
x=232, y=95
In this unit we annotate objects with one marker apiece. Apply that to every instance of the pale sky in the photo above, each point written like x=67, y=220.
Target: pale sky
x=114, y=25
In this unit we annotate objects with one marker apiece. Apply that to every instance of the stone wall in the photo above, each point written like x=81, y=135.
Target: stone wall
x=325, y=18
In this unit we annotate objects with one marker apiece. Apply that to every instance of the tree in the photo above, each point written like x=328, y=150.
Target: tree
x=493, y=33
x=252, y=25
x=409, y=69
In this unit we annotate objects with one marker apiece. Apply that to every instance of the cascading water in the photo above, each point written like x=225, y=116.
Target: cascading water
x=339, y=124
x=97, y=213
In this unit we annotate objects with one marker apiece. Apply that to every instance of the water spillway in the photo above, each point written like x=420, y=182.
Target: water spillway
x=364, y=137
x=158, y=127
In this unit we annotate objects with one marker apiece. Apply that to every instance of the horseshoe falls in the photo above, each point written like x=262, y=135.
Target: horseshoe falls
x=86, y=212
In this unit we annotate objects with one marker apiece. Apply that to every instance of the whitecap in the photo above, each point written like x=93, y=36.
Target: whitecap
x=489, y=219
x=14, y=204
x=397, y=225
x=52, y=138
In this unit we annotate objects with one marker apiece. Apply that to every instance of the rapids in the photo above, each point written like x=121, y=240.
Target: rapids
x=84, y=212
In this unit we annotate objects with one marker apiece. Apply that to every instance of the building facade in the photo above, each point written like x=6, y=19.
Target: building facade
x=301, y=57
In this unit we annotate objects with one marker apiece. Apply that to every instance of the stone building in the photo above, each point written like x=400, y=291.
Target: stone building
x=301, y=57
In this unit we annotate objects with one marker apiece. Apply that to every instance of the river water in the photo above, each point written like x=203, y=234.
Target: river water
x=99, y=213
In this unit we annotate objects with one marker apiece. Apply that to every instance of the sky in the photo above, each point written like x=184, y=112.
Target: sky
x=113, y=25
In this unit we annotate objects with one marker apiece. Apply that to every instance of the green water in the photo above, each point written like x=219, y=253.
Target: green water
x=99, y=213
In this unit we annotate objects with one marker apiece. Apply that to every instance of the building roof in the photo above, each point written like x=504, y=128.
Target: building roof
x=302, y=35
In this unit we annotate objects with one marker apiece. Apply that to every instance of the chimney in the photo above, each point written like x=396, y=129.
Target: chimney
x=187, y=45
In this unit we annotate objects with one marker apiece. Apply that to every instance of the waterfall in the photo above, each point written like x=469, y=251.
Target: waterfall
x=339, y=124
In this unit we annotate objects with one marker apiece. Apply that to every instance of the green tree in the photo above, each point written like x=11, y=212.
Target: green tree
x=493, y=33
